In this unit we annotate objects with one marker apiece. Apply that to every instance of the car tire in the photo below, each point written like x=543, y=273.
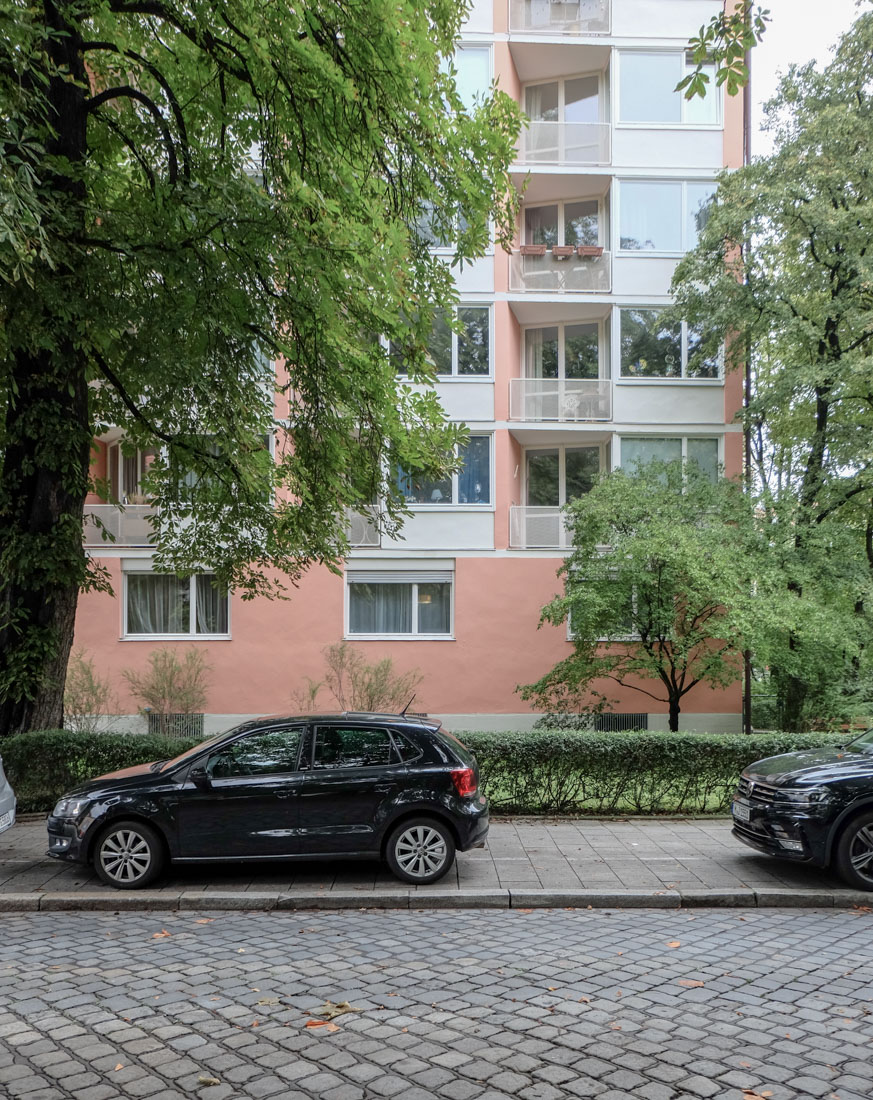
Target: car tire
x=853, y=857
x=420, y=851
x=129, y=855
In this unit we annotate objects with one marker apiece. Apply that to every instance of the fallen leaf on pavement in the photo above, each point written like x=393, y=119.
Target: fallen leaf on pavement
x=119, y=1066
x=524, y=910
x=326, y=1024
x=615, y=1027
x=675, y=943
x=330, y=1010
x=268, y=1001
x=161, y=935
x=207, y=1081
x=690, y=983
x=206, y=920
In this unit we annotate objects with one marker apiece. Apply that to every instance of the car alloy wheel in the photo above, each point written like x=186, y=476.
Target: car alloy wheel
x=129, y=855
x=420, y=851
x=854, y=855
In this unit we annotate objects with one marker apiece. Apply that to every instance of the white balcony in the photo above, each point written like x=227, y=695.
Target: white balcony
x=128, y=526
x=537, y=529
x=565, y=400
x=571, y=143
x=361, y=529
x=582, y=17
x=556, y=272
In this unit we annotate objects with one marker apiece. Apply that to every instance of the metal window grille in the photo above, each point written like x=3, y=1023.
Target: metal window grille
x=610, y=723
x=175, y=725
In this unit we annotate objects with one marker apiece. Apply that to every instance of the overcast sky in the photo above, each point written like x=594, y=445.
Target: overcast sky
x=800, y=31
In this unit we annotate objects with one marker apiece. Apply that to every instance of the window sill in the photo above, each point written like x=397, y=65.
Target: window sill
x=398, y=637
x=679, y=127
x=425, y=507
x=658, y=381
x=439, y=378
x=647, y=253
x=175, y=638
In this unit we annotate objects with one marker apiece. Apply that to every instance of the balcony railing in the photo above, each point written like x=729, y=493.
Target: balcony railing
x=554, y=272
x=129, y=526
x=581, y=17
x=361, y=528
x=565, y=143
x=566, y=400
x=534, y=528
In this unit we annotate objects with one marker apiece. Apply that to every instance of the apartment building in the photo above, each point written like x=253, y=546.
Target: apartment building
x=562, y=370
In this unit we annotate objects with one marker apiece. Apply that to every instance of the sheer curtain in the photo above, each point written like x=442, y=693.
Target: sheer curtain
x=211, y=606
x=474, y=480
x=157, y=604
x=380, y=608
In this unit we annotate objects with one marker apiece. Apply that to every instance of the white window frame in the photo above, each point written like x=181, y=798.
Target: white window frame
x=561, y=81
x=405, y=577
x=561, y=203
x=473, y=45
x=455, y=504
x=683, y=184
x=683, y=68
x=661, y=379
x=562, y=449
x=602, y=351
x=192, y=635
x=683, y=438
x=455, y=376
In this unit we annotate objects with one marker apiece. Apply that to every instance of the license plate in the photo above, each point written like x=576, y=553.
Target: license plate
x=6, y=819
x=740, y=811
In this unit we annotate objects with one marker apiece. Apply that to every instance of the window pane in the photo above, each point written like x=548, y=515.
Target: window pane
x=699, y=364
x=580, y=351
x=541, y=225
x=439, y=347
x=473, y=357
x=380, y=608
x=702, y=112
x=636, y=451
x=649, y=349
x=473, y=79
x=583, y=466
x=647, y=91
x=699, y=197
x=541, y=102
x=580, y=222
x=211, y=609
x=434, y=608
x=705, y=453
x=542, y=479
x=351, y=748
x=651, y=216
x=158, y=604
x=580, y=99
x=541, y=352
x=474, y=480
x=419, y=489
x=272, y=753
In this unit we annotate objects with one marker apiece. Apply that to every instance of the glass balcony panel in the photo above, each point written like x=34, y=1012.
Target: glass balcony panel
x=534, y=528
x=130, y=526
x=551, y=274
x=580, y=143
x=361, y=529
x=568, y=400
x=581, y=17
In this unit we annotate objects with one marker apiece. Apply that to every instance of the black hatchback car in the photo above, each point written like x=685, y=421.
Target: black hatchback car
x=347, y=785
x=812, y=806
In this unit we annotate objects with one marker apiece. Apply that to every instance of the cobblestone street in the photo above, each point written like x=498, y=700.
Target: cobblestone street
x=473, y=1005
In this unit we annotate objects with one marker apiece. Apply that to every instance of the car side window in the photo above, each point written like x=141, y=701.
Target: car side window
x=405, y=748
x=355, y=747
x=272, y=752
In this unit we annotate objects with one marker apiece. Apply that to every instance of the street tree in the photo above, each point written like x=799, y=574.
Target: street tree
x=783, y=274
x=191, y=191
x=662, y=589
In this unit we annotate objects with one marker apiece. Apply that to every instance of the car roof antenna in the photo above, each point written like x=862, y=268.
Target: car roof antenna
x=406, y=708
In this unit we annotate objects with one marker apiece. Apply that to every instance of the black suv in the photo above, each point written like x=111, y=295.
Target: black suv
x=813, y=806
x=347, y=785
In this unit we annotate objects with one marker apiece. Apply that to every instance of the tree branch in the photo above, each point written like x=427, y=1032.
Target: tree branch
x=125, y=91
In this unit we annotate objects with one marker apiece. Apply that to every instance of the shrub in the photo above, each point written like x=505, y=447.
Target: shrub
x=357, y=685
x=170, y=685
x=578, y=772
x=42, y=765
x=88, y=698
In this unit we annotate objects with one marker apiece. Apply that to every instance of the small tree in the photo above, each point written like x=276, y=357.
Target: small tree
x=659, y=589
x=170, y=685
x=88, y=698
x=357, y=685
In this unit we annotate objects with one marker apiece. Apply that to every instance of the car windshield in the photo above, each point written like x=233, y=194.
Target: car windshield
x=165, y=765
x=863, y=742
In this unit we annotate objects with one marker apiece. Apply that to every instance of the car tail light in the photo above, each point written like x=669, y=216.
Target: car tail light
x=464, y=780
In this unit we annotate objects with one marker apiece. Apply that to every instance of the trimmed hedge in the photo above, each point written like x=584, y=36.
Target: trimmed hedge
x=578, y=772
x=43, y=765
x=538, y=772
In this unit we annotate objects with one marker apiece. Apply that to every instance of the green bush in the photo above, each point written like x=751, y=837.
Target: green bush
x=578, y=772
x=42, y=765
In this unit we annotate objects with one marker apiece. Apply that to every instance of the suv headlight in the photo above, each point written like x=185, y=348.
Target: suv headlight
x=70, y=807
x=804, y=796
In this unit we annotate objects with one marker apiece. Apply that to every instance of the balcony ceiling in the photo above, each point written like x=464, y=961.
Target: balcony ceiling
x=536, y=61
x=553, y=313
x=550, y=187
x=555, y=435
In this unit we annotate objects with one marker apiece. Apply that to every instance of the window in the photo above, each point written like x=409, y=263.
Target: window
x=562, y=351
x=662, y=216
x=559, y=223
x=466, y=354
x=336, y=747
x=473, y=74
x=159, y=603
x=647, y=90
x=470, y=485
x=126, y=470
x=557, y=475
x=564, y=121
x=401, y=604
x=273, y=752
x=639, y=450
x=652, y=349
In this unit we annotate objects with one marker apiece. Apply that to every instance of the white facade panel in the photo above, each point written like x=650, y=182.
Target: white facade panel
x=666, y=403
x=445, y=529
x=641, y=19
x=476, y=277
x=641, y=147
x=471, y=402
x=643, y=276
x=480, y=17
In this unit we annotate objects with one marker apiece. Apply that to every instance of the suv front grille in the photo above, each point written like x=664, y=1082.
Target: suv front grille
x=758, y=792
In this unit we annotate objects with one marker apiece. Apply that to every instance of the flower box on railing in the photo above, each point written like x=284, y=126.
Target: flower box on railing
x=590, y=251
x=533, y=250
x=562, y=251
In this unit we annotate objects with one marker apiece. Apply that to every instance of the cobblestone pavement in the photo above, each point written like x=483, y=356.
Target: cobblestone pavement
x=476, y=1005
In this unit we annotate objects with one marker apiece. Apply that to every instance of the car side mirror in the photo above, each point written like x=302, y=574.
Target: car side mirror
x=200, y=777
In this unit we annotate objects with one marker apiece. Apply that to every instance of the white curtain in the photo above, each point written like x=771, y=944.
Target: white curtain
x=157, y=604
x=380, y=608
x=211, y=606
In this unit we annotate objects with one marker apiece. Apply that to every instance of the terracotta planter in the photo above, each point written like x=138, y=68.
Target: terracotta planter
x=590, y=251
x=533, y=250
x=562, y=251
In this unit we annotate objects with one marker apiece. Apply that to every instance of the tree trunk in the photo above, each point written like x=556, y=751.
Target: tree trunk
x=673, y=703
x=792, y=703
x=47, y=431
